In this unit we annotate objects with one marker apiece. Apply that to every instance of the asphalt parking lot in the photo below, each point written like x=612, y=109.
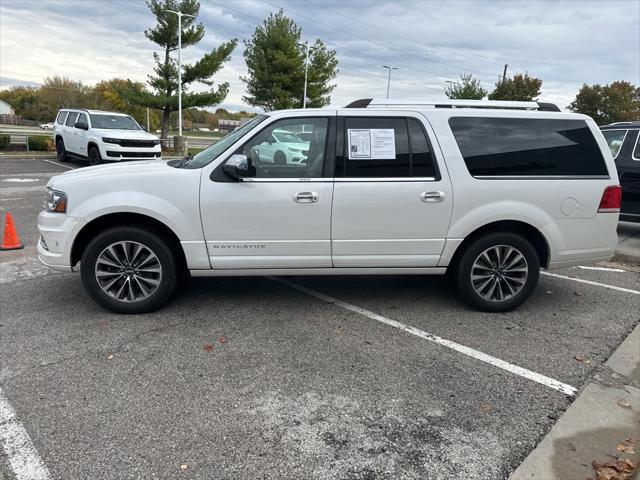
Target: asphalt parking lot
x=315, y=377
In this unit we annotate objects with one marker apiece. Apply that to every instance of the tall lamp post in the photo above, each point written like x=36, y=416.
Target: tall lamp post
x=306, y=70
x=389, y=78
x=180, y=15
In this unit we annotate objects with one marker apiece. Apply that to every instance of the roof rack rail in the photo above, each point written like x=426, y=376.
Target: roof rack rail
x=385, y=102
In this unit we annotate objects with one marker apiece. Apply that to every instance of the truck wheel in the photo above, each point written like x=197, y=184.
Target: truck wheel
x=61, y=152
x=498, y=272
x=129, y=270
x=94, y=156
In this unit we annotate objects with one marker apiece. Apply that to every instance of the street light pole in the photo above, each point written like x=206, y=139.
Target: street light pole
x=306, y=70
x=180, y=15
x=389, y=78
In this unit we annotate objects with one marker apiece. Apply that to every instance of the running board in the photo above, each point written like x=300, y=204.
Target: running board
x=250, y=272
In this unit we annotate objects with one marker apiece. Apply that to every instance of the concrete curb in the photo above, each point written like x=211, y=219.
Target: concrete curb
x=602, y=417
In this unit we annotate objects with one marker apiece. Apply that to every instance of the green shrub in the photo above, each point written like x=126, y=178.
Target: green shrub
x=4, y=142
x=40, y=143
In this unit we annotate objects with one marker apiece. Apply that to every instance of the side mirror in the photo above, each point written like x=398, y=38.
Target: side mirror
x=82, y=125
x=238, y=167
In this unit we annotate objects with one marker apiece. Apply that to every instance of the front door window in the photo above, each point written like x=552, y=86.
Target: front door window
x=289, y=148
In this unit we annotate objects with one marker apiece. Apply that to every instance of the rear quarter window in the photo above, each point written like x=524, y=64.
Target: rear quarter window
x=615, y=139
x=499, y=147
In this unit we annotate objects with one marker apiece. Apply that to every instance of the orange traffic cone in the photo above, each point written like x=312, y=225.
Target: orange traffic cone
x=10, y=240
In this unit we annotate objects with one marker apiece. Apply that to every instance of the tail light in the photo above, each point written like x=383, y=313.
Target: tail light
x=611, y=199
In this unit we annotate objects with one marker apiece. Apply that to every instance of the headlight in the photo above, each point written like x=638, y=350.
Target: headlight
x=295, y=150
x=110, y=140
x=56, y=201
x=156, y=141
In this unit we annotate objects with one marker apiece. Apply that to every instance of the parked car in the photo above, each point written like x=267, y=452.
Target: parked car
x=624, y=141
x=95, y=136
x=488, y=191
x=47, y=126
x=282, y=147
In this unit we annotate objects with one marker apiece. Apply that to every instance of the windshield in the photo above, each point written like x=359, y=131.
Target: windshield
x=287, y=137
x=114, y=122
x=207, y=156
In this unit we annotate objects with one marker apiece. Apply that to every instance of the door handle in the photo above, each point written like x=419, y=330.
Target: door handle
x=432, y=197
x=306, y=197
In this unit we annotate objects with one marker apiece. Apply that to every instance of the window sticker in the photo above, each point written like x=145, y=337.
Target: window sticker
x=372, y=144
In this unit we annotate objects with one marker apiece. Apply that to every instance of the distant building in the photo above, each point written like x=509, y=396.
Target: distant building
x=6, y=109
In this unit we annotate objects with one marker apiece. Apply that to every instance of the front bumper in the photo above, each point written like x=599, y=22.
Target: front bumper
x=57, y=232
x=115, y=152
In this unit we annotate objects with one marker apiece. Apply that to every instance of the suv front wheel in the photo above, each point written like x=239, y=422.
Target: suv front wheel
x=129, y=270
x=61, y=151
x=498, y=272
x=94, y=156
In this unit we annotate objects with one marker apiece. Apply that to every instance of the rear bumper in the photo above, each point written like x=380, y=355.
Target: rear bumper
x=582, y=241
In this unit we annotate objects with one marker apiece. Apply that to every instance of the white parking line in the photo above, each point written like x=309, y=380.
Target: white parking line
x=589, y=282
x=601, y=269
x=59, y=164
x=23, y=456
x=483, y=357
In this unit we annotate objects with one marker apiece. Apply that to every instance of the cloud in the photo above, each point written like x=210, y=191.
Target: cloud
x=564, y=43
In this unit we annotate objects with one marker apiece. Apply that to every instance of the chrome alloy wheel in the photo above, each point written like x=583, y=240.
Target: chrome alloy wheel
x=499, y=273
x=128, y=271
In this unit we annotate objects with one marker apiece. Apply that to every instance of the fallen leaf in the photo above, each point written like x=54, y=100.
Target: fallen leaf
x=486, y=408
x=577, y=294
x=222, y=339
x=623, y=447
x=607, y=473
x=110, y=356
x=183, y=466
x=207, y=347
x=582, y=358
x=631, y=463
x=624, y=403
x=549, y=292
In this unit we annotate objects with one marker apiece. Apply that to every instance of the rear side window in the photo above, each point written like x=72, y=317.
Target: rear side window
x=615, y=139
x=498, y=147
x=60, y=117
x=636, y=150
x=71, y=119
x=378, y=147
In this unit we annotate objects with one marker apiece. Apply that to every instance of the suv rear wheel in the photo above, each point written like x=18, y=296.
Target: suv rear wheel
x=129, y=270
x=61, y=151
x=498, y=272
x=94, y=156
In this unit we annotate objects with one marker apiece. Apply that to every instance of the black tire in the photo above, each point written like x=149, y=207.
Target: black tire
x=61, y=151
x=280, y=158
x=94, y=157
x=507, y=280
x=147, y=238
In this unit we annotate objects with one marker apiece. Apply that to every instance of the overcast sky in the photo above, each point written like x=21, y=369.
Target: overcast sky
x=564, y=43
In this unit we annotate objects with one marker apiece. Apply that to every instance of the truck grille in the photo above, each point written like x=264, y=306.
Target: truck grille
x=138, y=143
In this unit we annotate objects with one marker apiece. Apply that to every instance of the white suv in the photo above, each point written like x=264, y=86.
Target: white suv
x=94, y=135
x=488, y=191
